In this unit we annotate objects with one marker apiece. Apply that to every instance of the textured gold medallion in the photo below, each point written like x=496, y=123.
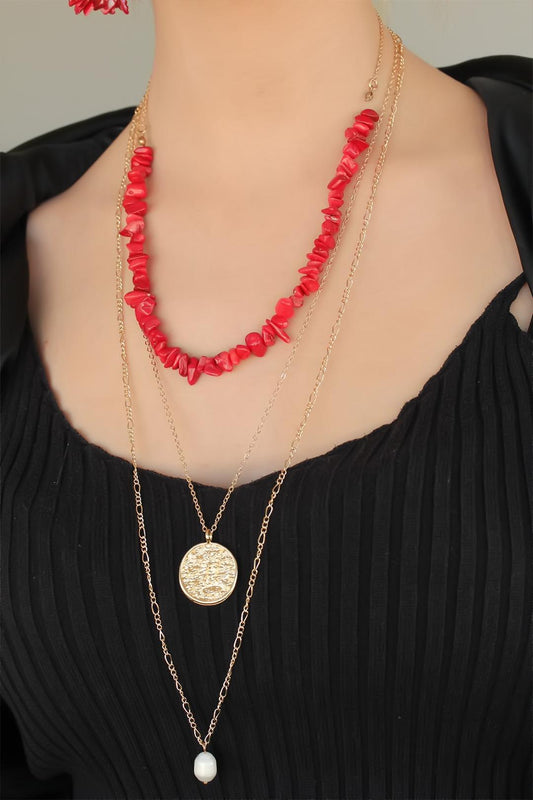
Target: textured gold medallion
x=208, y=573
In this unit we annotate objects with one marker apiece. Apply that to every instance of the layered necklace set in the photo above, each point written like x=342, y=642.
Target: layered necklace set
x=208, y=571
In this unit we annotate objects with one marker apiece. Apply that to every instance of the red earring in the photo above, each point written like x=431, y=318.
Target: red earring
x=105, y=6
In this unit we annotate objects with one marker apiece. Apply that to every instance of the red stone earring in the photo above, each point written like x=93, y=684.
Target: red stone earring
x=105, y=6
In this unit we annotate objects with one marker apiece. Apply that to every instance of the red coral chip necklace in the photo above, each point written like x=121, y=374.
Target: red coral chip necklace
x=256, y=343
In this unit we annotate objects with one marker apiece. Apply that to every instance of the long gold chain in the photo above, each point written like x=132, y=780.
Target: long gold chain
x=156, y=613
x=210, y=530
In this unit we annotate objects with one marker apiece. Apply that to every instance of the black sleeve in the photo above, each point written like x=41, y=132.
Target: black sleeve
x=505, y=83
x=18, y=783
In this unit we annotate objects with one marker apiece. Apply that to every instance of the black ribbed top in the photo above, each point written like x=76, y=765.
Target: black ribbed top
x=386, y=653
x=386, y=650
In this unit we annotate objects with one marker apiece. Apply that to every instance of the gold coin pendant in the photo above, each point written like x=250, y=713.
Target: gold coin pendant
x=208, y=573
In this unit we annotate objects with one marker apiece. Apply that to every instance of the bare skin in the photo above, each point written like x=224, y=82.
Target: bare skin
x=235, y=204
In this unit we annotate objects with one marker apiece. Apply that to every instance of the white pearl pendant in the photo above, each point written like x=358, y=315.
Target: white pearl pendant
x=205, y=766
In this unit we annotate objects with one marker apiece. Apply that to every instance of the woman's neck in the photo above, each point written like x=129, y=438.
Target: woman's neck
x=230, y=76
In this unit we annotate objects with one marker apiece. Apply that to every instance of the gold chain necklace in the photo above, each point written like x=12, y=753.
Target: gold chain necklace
x=208, y=571
x=205, y=763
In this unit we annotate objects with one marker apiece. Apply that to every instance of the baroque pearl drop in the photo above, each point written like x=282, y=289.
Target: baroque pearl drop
x=205, y=766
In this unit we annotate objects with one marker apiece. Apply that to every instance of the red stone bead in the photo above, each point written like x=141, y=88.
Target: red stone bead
x=137, y=260
x=352, y=135
x=327, y=240
x=161, y=350
x=223, y=360
x=133, y=205
x=137, y=175
x=280, y=321
x=144, y=150
x=359, y=144
x=365, y=120
x=339, y=181
x=234, y=356
x=284, y=307
x=361, y=127
x=343, y=171
x=202, y=361
x=356, y=132
x=311, y=272
x=141, y=280
x=183, y=364
x=334, y=201
x=147, y=305
x=156, y=337
x=298, y=291
x=309, y=285
x=351, y=150
x=144, y=308
x=371, y=113
x=134, y=298
x=134, y=224
x=269, y=334
x=279, y=331
x=134, y=219
x=337, y=193
x=171, y=356
x=147, y=322
x=330, y=226
x=141, y=159
x=175, y=362
x=318, y=265
x=318, y=254
x=210, y=368
x=137, y=190
x=242, y=351
x=256, y=344
x=137, y=164
x=193, y=373
x=297, y=300
x=347, y=169
x=136, y=245
x=351, y=165
x=332, y=212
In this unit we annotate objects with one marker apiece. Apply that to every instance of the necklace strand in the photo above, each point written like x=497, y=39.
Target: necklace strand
x=143, y=300
x=154, y=606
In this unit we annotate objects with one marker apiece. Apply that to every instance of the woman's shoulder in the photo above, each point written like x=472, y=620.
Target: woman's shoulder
x=48, y=164
x=505, y=84
x=32, y=173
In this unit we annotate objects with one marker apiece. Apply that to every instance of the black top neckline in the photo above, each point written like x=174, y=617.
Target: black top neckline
x=503, y=298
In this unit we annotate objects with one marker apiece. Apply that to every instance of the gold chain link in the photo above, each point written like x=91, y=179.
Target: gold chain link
x=398, y=72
